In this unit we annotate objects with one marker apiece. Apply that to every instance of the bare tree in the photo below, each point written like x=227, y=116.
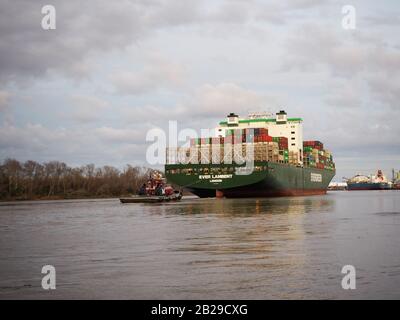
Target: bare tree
x=32, y=180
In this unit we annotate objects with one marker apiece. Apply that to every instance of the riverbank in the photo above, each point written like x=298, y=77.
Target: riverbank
x=60, y=197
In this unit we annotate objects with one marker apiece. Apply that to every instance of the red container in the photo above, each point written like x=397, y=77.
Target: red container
x=263, y=131
x=314, y=144
x=264, y=138
x=283, y=143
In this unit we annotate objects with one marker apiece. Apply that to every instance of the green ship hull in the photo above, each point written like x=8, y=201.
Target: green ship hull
x=268, y=179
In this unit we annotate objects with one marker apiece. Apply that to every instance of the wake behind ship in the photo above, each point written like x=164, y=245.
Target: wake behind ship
x=259, y=156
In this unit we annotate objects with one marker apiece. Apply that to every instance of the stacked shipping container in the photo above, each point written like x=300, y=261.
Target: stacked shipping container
x=256, y=141
x=314, y=155
x=235, y=144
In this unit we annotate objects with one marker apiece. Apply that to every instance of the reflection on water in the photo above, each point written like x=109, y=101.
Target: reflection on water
x=204, y=248
x=245, y=226
x=249, y=207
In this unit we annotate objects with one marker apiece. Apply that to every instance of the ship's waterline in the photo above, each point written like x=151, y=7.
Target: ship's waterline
x=274, y=179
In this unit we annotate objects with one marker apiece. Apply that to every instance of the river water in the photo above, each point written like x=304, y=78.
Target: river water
x=278, y=248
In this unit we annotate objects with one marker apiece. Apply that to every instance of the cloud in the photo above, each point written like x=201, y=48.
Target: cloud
x=83, y=30
x=118, y=135
x=87, y=30
x=87, y=143
x=4, y=97
x=102, y=145
x=343, y=55
x=218, y=100
x=345, y=95
x=167, y=13
x=154, y=114
x=117, y=69
x=207, y=100
x=385, y=90
x=87, y=108
x=31, y=137
x=383, y=19
x=303, y=4
x=312, y=47
x=156, y=74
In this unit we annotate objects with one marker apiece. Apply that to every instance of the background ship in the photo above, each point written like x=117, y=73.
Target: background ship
x=337, y=186
x=395, y=180
x=373, y=182
x=258, y=156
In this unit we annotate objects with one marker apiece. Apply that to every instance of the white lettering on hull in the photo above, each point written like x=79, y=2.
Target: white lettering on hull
x=215, y=176
x=316, y=177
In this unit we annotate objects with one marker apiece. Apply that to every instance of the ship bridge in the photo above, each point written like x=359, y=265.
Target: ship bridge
x=278, y=126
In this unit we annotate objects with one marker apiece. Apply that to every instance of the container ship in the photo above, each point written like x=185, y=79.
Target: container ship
x=373, y=182
x=263, y=155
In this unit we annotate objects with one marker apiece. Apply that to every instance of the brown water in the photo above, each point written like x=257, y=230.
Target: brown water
x=204, y=248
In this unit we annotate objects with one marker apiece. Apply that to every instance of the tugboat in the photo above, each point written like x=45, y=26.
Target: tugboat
x=374, y=182
x=155, y=190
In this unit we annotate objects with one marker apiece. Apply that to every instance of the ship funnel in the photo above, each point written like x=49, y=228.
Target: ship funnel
x=281, y=117
x=233, y=119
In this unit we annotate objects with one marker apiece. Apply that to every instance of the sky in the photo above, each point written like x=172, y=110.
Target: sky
x=90, y=90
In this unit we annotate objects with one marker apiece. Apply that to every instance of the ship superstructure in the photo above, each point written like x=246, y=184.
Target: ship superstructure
x=278, y=126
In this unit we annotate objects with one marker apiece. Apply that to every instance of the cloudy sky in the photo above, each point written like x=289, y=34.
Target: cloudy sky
x=88, y=91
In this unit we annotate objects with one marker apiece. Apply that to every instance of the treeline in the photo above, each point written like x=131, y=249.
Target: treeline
x=56, y=180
